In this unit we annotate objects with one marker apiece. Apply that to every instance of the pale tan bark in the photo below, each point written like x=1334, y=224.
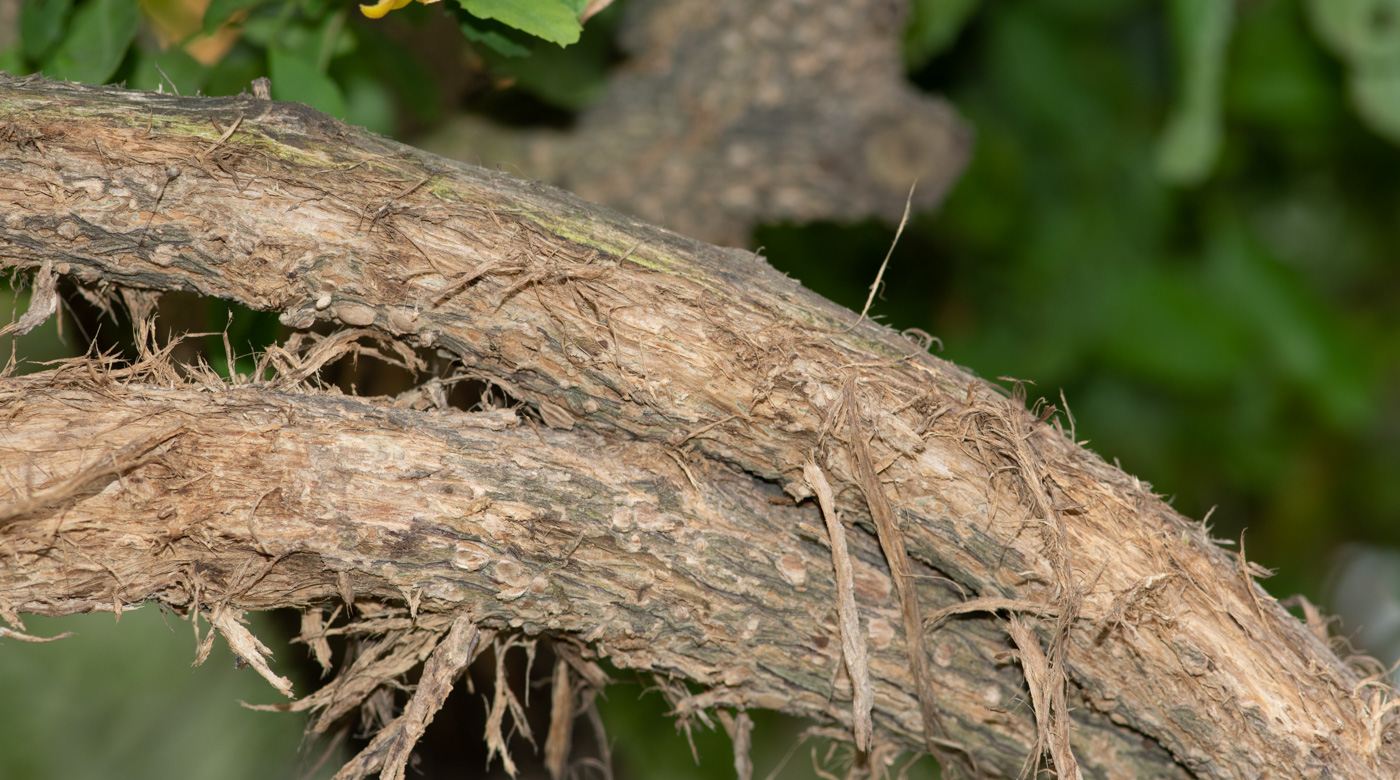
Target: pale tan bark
x=616, y=326
x=263, y=499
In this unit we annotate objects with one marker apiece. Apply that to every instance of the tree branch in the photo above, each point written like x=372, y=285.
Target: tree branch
x=620, y=326
x=264, y=499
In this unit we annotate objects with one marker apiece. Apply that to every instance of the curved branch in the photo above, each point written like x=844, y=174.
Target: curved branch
x=265, y=499
x=621, y=326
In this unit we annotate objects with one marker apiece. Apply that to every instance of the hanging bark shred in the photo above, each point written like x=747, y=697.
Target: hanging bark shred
x=312, y=633
x=739, y=727
x=504, y=701
x=892, y=543
x=389, y=751
x=449, y=659
x=247, y=648
x=1052, y=730
x=43, y=302
x=561, y=721
x=853, y=639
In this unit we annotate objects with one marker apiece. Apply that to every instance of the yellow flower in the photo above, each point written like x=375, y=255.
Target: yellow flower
x=385, y=6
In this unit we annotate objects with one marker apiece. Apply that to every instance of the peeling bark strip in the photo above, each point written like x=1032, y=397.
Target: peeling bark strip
x=590, y=538
x=561, y=721
x=853, y=639
x=626, y=327
x=449, y=659
x=892, y=543
x=42, y=304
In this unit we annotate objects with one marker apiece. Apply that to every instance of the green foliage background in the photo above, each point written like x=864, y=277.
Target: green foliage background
x=1184, y=216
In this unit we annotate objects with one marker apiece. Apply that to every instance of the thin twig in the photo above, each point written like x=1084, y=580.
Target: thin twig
x=881, y=274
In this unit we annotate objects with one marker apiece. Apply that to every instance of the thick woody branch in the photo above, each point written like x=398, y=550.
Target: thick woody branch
x=246, y=499
x=616, y=325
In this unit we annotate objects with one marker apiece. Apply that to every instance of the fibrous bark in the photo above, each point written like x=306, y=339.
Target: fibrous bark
x=1124, y=610
x=585, y=536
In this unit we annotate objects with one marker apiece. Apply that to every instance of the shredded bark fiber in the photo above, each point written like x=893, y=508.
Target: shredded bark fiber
x=676, y=379
x=853, y=639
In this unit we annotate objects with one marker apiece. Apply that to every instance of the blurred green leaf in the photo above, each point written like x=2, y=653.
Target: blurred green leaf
x=1168, y=329
x=1375, y=92
x=219, y=11
x=496, y=36
x=314, y=40
x=1190, y=143
x=1365, y=32
x=566, y=81
x=552, y=20
x=369, y=105
x=101, y=32
x=572, y=77
x=1293, y=331
x=182, y=71
x=408, y=79
x=236, y=71
x=297, y=79
x=1047, y=86
x=12, y=59
x=41, y=25
x=933, y=27
x=267, y=32
x=336, y=40
x=1278, y=75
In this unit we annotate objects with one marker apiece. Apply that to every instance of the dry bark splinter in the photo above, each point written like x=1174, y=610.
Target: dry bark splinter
x=853, y=639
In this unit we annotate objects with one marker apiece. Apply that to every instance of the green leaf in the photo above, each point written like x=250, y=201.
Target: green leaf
x=1280, y=77
x=495, y=36
x=297, y=79
x=41, y=25
x=95, y=44
x=933, y=26
x=334, y=39
x=1189, y=146
x=219, y=11
x=572, y=78
x=552, y=20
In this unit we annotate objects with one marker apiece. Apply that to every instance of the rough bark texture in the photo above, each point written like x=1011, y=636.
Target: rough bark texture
x=597, y=538
x=622, y=329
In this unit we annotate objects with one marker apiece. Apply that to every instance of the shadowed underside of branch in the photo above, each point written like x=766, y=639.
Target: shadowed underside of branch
x=664, y=358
